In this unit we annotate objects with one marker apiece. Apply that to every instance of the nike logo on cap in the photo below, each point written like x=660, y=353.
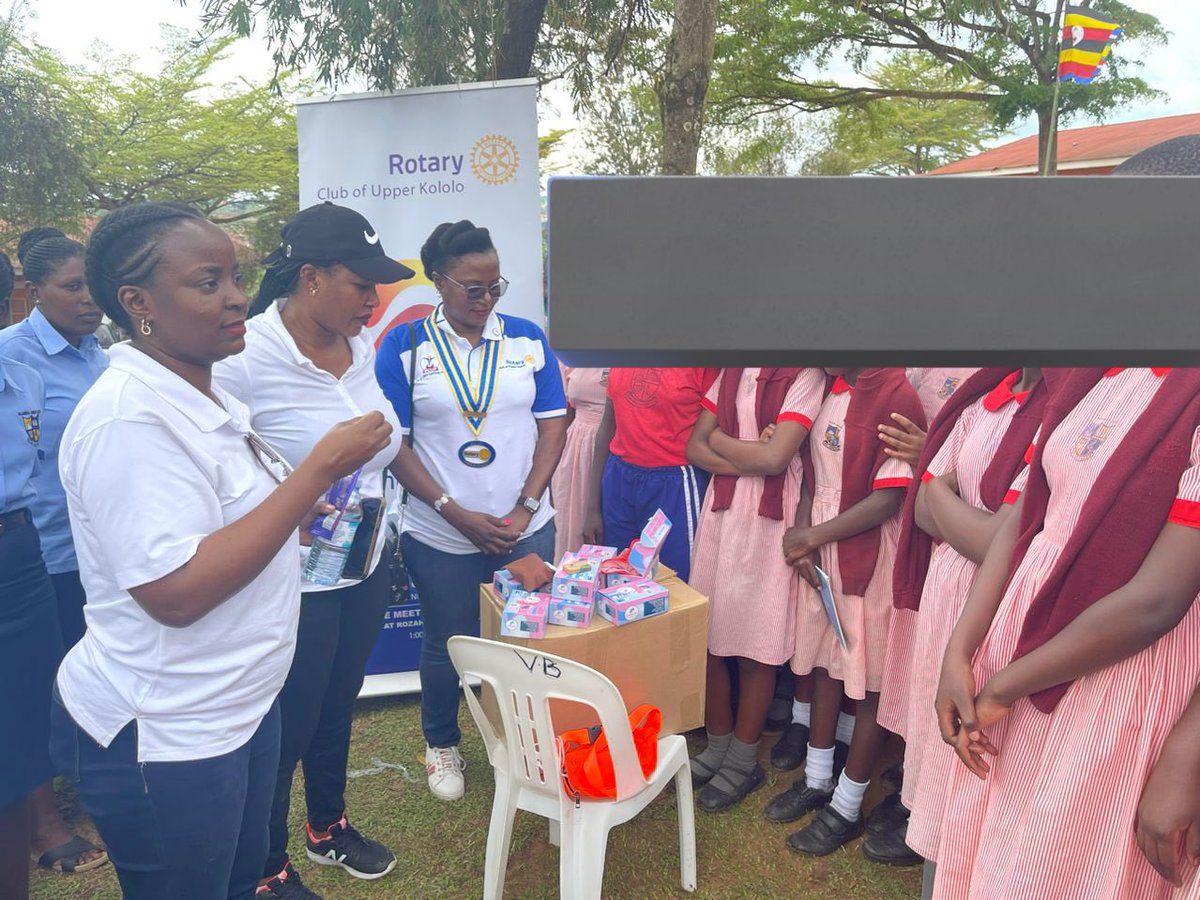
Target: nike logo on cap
x=371, y=238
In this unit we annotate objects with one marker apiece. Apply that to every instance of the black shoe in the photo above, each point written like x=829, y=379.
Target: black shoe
x=346, y=847
x=713, y=799
x=894, y=777
x=779, y=714
x=888, y=815
x=828, y=831
x=796, y=802
x=886, y=845
x=789, y=751
x=287, y=886
x=701, y=773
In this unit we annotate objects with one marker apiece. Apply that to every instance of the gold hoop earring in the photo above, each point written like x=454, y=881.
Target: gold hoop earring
x=145, y=327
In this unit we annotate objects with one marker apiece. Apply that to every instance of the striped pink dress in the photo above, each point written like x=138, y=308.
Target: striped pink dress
x=864, y=619
x=1055, y=817
x=935, y=386
x=927, y=758
x=738, y=561
x=569, y=486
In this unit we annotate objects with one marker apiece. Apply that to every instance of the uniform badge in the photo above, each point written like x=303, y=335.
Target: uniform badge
x=833, y=437
x=31, y=420
x=949, y=386
x=477, y=454
x=1090, y=439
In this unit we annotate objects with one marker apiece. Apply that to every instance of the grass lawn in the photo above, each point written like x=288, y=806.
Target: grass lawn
x=440, y=846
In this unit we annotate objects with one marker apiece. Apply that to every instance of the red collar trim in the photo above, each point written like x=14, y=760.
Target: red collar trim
x=1002, y=394
x=1159, y=373
x=841, y=386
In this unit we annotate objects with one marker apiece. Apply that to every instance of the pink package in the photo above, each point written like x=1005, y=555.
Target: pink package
x=596, y=551
x=525, y=615
x=577, y=577
x=503, y=584
x=643, y=554
x=630, y=602
x=570, y=612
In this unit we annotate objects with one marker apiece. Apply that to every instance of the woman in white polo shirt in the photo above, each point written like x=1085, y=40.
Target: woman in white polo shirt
x=307, y=365
x=185, y=525
x=488, y=415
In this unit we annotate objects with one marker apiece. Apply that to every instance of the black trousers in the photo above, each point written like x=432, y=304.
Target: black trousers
x=338, y=629
x=68, y=590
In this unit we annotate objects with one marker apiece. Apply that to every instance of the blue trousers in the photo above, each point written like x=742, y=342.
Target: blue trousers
x=448, y=585
x=630, y=495
x=195, y=829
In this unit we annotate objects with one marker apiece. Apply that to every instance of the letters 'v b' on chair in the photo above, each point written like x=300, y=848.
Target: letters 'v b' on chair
x=528, y=773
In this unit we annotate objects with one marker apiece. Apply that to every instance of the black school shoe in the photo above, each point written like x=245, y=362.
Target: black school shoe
x=827, y=832
x=286, y=886
x=789, y=751
x=713, y=799
x=779, y=714
x=346, y=847
x=796, y=802
x=886, y=833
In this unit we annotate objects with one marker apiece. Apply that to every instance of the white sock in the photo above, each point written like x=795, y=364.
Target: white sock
x=801, y=713
x=848, y=797
x=845, y=728
x=818, y=768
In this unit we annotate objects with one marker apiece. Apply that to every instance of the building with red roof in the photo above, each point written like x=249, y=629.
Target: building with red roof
x=1095, y=150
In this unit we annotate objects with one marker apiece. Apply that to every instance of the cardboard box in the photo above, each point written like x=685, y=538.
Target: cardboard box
x=659, y=661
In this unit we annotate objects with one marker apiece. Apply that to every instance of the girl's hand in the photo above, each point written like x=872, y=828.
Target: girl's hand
x=1168, y=817
x=955, y=708
x=806, y=568
x=905, y=442
x=798, y=542
x=767, y=434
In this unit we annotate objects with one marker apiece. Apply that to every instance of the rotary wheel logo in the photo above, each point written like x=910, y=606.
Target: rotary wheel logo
x=494, y=159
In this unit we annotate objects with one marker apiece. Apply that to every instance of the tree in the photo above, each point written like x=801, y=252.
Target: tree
x=1008, y=46
x=229, y=151
x=622, y=131
x=408, y=43
x=683, y=87
x=904, y=135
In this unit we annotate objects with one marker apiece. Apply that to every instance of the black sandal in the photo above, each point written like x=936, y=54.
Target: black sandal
x=64, y=858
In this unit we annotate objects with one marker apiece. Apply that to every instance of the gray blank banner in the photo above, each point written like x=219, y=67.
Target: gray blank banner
x=1062, y=271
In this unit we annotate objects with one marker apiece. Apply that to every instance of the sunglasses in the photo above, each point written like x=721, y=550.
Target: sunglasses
x=476, y=292
x=267, y=457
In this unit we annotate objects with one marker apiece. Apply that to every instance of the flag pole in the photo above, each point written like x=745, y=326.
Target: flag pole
x=1052, y=137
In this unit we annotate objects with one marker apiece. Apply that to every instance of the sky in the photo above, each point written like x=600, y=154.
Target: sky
x=74, y=27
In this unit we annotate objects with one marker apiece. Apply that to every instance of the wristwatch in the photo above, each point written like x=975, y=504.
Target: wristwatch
x=440, y=502
x=530, y=504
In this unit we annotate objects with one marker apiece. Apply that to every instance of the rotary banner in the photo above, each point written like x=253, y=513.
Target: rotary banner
x=413, y=159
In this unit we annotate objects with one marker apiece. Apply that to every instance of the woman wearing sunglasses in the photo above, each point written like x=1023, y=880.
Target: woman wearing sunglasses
x=488, y=416
x=307, y=365
x=185, y=525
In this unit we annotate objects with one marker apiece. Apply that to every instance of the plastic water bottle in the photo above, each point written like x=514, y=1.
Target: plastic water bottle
x=334, y=535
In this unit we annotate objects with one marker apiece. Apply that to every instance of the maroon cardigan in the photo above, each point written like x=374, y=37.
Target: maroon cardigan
x=1122, y=516
x=770, y=392
x=877, y=393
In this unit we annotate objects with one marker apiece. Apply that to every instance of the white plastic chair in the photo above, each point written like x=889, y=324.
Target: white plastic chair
x=528, y=771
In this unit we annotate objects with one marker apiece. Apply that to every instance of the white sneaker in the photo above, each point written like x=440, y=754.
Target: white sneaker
x=445, y=767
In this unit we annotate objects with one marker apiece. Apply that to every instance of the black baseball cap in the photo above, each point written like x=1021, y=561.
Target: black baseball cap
x=330, y=233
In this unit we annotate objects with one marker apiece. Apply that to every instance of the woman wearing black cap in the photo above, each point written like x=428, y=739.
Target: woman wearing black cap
x=306, y=366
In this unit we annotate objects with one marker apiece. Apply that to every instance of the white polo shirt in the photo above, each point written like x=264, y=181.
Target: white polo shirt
x=293, y=403
x=151, y=467
x=528, y=388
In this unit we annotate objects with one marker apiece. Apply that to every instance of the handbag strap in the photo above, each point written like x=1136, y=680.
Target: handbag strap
x=411, y=438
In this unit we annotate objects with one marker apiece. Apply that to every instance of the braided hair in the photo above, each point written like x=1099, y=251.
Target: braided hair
x=124, y=250
x=279, y=280
x=1177, y=156
x=452, y=240
x=42, y=250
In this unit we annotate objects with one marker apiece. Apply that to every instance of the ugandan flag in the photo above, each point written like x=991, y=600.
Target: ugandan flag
x=1086, y=43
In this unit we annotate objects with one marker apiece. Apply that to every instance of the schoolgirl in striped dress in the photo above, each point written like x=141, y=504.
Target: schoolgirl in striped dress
x=751, y=502
x=1078, y=649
